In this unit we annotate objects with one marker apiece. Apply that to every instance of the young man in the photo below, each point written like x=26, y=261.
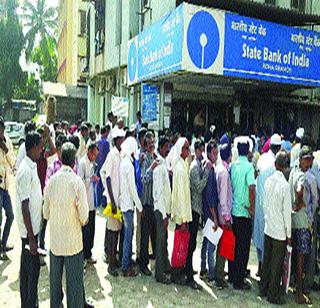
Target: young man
x=128, y=197
x=209, y=208
x=225, y=202
x=87, y=172
x=148, y=223
x=181, y=196
x=243, y=197
x=83, y=137
x=304, y=196
x=277, y=210
x=104, y=148
x=110, y=178
x=265, y=168
x=198, y=180
x=162, y=210
x=7, y=161
x=66, y=209
x=28, y=217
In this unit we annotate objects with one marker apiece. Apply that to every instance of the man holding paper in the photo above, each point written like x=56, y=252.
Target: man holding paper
x=210, y=203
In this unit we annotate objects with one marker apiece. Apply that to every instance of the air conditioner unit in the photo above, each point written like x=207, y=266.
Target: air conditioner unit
x=102, y=86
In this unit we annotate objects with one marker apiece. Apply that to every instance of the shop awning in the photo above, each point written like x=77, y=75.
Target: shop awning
x=291, y=17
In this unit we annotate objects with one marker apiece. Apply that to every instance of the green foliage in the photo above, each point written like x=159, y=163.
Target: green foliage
x=12, y=43
x=42, y=24
x=29, y=90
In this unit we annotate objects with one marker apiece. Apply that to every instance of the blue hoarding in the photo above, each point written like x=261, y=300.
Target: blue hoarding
x=158, y=49
x=150, y=98
x=268, y=51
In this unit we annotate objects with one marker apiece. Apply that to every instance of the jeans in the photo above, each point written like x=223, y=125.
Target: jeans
x=29, y=276
x=193, y=229
x=74, y=279
x=88, y=235
x=5, y=203
x=207, y=249
x=148, y=227
x=128, y=237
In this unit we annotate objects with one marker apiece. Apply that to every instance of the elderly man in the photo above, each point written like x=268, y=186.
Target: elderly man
x=66, y=208
x=7, y=161
x=277, y=209
x=28, y=217
x=87, y=172
x=198, y=180
x=128, y=198
x=265, y=168
x=243, y=197
x=181, y=210
x=110, y=178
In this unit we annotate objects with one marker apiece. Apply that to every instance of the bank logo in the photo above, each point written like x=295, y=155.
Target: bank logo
x=203, y=40
x=132, y=62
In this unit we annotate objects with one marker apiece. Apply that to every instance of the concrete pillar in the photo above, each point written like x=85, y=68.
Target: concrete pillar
x=90, y=104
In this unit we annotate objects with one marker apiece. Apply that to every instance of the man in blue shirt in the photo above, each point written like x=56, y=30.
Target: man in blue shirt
x=210, y=205
x=243, y=197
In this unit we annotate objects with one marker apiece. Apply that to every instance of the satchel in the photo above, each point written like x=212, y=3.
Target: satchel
x=180, y=248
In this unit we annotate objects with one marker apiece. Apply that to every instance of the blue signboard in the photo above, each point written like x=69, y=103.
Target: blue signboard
x=150, y=99
x=158, y=49
x=268, y=51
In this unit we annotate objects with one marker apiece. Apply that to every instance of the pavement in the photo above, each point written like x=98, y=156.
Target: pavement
x=104, y=290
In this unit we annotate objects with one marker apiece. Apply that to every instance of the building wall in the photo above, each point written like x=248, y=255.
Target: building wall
x=71, y=46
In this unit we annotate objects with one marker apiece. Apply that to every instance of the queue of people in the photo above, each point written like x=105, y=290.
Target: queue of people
x=224, y=181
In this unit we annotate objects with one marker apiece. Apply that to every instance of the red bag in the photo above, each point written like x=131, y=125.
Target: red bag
x=227, y=244
x=180, y=248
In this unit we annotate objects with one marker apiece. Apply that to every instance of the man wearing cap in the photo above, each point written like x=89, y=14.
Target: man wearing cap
x=243, y=198
x=304, y=194
x=110, y=178
x=294, y=154
x=265, y=168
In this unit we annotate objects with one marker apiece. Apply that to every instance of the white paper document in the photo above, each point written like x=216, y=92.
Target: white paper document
x=212, y=235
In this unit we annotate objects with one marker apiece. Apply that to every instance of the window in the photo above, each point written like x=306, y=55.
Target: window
x=83, y=23
x=299, y=5
x=270, y=2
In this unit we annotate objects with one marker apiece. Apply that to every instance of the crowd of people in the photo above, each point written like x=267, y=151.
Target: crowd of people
x=260, y=189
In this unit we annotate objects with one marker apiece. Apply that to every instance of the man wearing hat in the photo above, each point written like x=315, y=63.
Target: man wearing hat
x=225, y=202
x=265, y=168
x=294, y=154
x=110, y=178
x=304, y=194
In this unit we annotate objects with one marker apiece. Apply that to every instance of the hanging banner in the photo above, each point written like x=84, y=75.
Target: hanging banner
x=150, y=102
x=120, y=106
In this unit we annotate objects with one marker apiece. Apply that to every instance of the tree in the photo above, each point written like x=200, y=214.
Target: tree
x=12, y=43
x=45, y=56
x=41, y=21
x=29, y=90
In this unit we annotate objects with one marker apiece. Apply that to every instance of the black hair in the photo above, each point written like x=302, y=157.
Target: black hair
x=68, y=154
x=60, y=140
x=110, y=114
x=211, y=145
x=29, y=127
x=198, y=144
x=207, y=136
x=243, y=148
x=93, y=146
x=84, y=127
x=92, y=134
x=142, y=133
x=75, y=141
x=1, y=122
x=139, y=114
x=104, y=129
x=308, y=141
x=33, y=139
x=162, y=141
x=97, y=126
x=148, y=135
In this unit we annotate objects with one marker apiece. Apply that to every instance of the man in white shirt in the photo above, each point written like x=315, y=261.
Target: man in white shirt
x=162, y=210
x=87, y=172
x=128, y=197
x=277, y=209
x=66, y=208
x=83, y=137
x=7, y=161
x=110, y=178
x=28, y=216
x=294, y=154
